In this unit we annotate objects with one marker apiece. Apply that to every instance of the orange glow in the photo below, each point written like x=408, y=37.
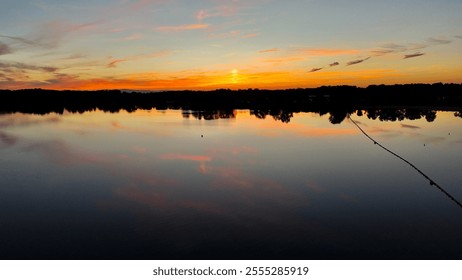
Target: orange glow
x=233, y=79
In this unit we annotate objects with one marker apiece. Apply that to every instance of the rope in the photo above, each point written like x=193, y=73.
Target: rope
x=432, y=182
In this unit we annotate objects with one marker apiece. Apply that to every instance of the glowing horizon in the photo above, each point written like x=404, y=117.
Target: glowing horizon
x=236, y=44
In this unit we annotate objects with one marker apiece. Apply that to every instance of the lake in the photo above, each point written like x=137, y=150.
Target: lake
x=229, y=185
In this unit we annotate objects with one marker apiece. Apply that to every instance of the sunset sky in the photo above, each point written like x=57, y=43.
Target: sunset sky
x=209, y=44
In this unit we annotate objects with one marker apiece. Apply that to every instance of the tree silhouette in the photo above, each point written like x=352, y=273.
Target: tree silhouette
x=386, y=103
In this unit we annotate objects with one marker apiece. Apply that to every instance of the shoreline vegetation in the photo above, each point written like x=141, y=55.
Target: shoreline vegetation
x=383, y=102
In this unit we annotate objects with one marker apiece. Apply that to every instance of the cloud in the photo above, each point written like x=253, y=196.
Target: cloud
x=391, y=48
x=284, y=60
x=20, y=40
x=113, y=64
x=201, y=15
x=413, y=55
x=22, y=66
x=269, y=50
x=50, y=34
x=384, y=52
x=334, y=64
x=133, y=37
x=315, y=70
x=458, y=36
x=439, y=41
x=222, y=11
x=5, y=49
x=177, y=28
x=326, y=52
x=357, y=61
x=250, y=35
x=394, y=46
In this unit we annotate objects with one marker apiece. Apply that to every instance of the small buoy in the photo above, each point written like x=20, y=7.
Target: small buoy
x=202, y=136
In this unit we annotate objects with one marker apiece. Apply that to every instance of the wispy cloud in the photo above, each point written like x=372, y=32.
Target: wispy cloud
x=5, y=49
x=20, y=40
x=133, y=37
x=113, y=63
x=315, y=70
x=50, y=34
x=334, y=64
x=177, y=28
x=250, y=35
x=326, y=52
x=222, y=11
x=358, y=61
x=439, y=41
x=413, y=55
x=23, y=66
x=458, y=36
x=269, y=50
x=284, y=60
x=391, y=48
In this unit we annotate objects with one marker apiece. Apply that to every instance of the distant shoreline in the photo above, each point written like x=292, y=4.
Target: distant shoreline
x=337, y=100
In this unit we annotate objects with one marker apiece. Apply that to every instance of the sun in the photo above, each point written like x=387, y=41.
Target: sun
x=234, y=76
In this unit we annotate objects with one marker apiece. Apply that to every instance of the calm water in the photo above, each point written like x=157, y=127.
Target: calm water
x=166, y=185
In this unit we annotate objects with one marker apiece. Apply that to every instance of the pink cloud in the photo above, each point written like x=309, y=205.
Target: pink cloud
x=222, y=11
x=177, y=28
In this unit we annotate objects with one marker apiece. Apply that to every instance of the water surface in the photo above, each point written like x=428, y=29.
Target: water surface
x=227, y=185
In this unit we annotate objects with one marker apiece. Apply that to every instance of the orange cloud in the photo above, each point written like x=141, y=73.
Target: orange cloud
x=284, y=60
x=177, y=28
x=269, y=50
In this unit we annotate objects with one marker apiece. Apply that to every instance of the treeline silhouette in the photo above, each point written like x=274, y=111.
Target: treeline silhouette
x=386, y=103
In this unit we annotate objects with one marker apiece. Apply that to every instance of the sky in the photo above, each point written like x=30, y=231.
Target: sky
x=210, y=44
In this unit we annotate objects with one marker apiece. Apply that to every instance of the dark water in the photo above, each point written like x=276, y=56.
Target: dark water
x=160, y=185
